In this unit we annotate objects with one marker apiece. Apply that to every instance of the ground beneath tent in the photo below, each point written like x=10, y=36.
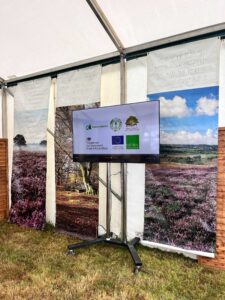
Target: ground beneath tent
x=34, y=265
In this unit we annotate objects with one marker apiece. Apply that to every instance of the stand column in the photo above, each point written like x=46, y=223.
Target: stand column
x=108, y=200
x=123, y=202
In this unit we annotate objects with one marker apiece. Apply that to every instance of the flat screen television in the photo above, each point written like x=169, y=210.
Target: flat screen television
x=120, y=133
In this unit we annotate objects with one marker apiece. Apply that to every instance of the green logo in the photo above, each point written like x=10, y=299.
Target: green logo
x=116, y=124
x=132, y=142
x=88, y=127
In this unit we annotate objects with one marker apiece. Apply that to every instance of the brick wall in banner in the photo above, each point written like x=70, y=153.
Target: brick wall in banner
x=3, y=178
x=219, y=260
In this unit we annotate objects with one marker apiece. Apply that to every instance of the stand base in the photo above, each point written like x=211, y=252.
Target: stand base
x=129, y=245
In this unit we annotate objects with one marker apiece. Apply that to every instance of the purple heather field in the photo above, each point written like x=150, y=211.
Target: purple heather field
x=180, y=203
x=28, y=188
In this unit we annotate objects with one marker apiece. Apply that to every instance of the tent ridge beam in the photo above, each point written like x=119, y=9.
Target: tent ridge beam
x=197, y=33
x=205, y=32
x=100, y=59
x=106, y=25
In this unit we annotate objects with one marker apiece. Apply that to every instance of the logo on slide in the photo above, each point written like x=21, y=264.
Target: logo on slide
x=116, y=124
x=117, y=140
x=132, y=142
x=132, y=121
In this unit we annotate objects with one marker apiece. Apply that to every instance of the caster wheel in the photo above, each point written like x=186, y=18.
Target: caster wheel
x=137, y=270
x=70, y=252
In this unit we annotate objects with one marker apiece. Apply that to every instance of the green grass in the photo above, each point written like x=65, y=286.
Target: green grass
x=34, y=265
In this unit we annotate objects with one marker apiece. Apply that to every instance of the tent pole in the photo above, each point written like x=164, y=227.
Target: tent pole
x=4, y=113
x=123, y=79
x=109, y=200
x=123, y=166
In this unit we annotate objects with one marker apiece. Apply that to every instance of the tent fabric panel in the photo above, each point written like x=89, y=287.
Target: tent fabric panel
x=40, y=35
x=46, y=35
x=137, y=22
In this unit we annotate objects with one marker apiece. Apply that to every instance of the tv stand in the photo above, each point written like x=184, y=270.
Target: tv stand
x=115, y=242
x=108, y=237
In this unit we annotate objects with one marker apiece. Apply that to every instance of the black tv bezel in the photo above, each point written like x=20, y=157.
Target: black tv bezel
x=118, y=158
x=132, y=158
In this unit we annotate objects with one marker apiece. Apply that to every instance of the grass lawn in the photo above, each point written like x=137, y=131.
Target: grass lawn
x=34, y=265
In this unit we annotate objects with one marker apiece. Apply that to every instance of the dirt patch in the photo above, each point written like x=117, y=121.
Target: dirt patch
x=77, y=213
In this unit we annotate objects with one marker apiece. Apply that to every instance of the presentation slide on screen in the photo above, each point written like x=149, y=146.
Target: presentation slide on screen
x=117, y=130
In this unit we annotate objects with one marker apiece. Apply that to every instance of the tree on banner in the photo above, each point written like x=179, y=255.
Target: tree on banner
x=65, y=120
x=28, y=185
x=19, y=140
x=76, y=183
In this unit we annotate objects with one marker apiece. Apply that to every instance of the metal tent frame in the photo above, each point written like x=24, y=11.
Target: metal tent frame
x=120, y=56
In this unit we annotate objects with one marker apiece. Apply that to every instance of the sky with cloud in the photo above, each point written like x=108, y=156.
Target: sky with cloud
x=189, y=116
x=32, y=124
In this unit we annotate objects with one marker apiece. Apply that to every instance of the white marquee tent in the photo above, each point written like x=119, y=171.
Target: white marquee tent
x=41, y=37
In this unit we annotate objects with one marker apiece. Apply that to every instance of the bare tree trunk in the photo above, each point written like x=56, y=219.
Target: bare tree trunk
x=86, y=169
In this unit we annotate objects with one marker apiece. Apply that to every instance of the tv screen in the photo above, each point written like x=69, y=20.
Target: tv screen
x=120, y=133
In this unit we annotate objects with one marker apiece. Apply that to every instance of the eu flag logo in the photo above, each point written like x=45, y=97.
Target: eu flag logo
x=117, y=140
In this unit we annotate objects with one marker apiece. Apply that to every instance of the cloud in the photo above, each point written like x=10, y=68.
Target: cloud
x=176, y=107
x=189, y=138
x=207, y=106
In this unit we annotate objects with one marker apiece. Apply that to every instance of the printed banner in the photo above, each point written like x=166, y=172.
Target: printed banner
x=180, y=202
x=81, y=86
x=76, y=183
x=187, y=66
x=29, y=154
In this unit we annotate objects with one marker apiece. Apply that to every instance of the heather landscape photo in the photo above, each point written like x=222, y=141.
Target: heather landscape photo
x=76, y=183
x=29, y=187
x=180, y=203
x=28, y=184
